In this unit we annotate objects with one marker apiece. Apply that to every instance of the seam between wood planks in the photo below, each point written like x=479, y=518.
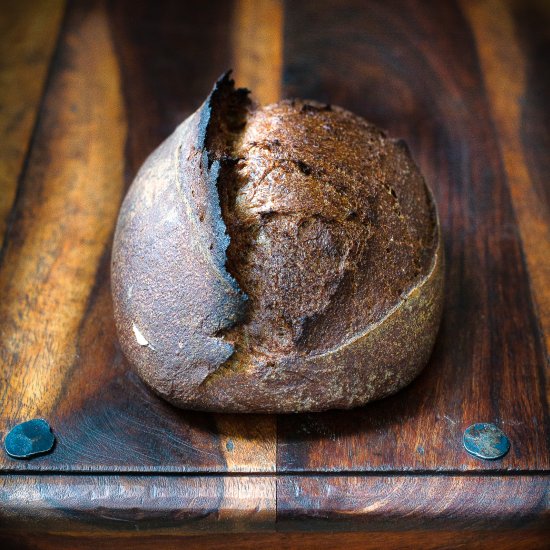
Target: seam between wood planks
x=285, y=474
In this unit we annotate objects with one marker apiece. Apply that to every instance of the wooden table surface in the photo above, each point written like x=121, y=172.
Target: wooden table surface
x=87, y=90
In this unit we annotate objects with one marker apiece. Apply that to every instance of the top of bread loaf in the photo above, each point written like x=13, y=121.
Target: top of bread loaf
x=330, y=223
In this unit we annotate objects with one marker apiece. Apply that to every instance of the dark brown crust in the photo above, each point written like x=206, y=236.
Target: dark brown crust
x=344, y=224
x=179, y=312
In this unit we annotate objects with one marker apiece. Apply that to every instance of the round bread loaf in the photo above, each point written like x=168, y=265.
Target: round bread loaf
x=277, y=259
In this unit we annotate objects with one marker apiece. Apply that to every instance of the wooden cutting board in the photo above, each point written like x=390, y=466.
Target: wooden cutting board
x=87, y=91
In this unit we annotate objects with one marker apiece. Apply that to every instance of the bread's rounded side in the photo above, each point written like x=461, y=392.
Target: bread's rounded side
x=381, y=360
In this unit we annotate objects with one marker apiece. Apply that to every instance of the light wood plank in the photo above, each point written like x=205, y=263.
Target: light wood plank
x=71, y=193
x=258, y=47
x=28, y=34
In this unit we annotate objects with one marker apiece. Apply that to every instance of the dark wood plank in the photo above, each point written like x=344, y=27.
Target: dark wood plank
x=512, y=39
x=427, y=540
x=413, y=68
x=126, y=74
x=28, y=33
x=174, y=55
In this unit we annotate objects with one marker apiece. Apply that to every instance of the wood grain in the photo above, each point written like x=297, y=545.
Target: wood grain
x=427, y=540
x=98, y=412
x=376, y=503
x=463, y=83
x=258, y=48
x=28, y=33
x=505, y=72
x=67, y=205
x=416, y=72
x=190, y=504
x=429, y=511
